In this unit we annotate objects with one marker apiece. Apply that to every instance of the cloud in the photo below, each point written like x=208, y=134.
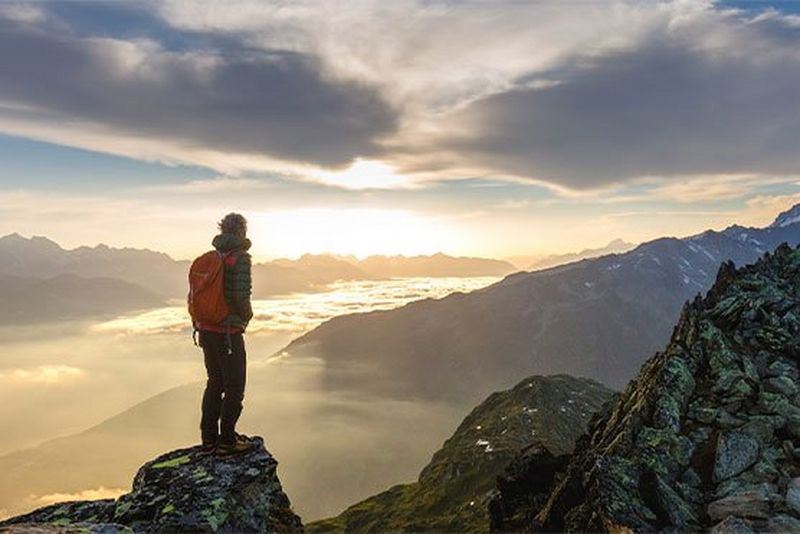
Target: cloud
x=42, y=374
x=713, y=187
x=575, y=96
x=762, y=210
x=211, y=185
x=25, y=13
x=268, y=104
x=681, y=102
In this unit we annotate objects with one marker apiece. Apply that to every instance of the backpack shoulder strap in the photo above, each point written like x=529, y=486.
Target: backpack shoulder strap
x=230, y=257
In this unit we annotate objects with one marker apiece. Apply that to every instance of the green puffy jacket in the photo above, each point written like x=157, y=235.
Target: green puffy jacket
x=238, y=282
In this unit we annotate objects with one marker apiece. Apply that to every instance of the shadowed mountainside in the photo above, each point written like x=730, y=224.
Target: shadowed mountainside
x=452, y=491
x=617, y=246
x=594, y=318
x=67, y=297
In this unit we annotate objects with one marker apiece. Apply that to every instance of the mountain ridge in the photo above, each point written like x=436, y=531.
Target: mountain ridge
x=68, y=297
x=595, y=317
x=615, y=246
x=42, y=257
x=706, y=435
x=452, y=490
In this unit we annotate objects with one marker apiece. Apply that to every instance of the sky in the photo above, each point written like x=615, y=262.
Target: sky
x=473, y=127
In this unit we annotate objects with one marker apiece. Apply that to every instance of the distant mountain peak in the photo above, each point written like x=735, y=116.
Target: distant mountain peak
x=790, y=216
x=618, y=242
x=615, y=246
x=13, y=237
x=38, y=241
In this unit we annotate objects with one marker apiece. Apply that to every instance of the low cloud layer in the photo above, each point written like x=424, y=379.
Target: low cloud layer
x=575, y=95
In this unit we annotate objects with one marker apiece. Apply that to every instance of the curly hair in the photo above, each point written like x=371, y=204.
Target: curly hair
x=233, y=223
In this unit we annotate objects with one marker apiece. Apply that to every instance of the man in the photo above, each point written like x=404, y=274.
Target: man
x=223, y=344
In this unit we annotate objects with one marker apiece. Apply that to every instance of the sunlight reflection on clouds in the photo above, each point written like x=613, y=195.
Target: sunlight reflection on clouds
x=42, y=374
x=301, y=312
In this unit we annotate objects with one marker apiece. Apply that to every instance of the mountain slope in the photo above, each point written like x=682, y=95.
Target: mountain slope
x=616, y=246
x=67, y=297
x=308, y=273
x=707, y=433
x=595, y=318
x=40, y=257
x=451, y=492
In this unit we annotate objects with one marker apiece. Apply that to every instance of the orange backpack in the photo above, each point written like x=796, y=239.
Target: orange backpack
x=206, y=297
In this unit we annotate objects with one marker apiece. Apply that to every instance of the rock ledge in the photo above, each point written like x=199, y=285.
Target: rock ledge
x=181, y=491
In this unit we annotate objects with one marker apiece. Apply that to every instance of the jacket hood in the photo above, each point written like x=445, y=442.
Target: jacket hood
x=226, y=242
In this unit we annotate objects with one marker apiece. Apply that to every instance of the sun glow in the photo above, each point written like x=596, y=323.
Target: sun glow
x=361, y=232
x=364, y=174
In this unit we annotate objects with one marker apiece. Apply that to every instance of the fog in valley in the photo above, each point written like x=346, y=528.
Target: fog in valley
x=65, y=380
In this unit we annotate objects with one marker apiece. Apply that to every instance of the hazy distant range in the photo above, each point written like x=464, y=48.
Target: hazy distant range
x=44, y=282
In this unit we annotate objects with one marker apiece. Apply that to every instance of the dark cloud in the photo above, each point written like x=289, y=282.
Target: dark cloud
x=667, y=107
x=255, y=102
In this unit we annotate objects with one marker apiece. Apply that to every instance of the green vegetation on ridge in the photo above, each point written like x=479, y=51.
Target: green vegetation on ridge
x=453, y=489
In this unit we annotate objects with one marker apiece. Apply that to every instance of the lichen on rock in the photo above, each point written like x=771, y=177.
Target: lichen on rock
x=182, y=491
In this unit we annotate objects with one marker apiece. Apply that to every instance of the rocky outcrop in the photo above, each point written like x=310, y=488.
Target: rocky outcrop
x=182, y=491
x=707, y=436
x=452, y=491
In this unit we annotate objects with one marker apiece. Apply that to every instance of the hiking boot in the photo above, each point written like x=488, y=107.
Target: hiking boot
x=242, y=437
x=208, y=447
x=237, y=447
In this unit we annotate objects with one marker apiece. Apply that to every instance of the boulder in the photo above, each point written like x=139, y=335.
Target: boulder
x=184, y=490
x=781, y=524
x=753, y=503
x=793, y=495
x=732, y=525
x=736, y=451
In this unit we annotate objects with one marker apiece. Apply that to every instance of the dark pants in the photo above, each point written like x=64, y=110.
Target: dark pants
x=222, y=399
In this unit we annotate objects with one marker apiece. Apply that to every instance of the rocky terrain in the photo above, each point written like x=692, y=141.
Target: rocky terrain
x=706, y=437
x=452, y=491
x=181, y=491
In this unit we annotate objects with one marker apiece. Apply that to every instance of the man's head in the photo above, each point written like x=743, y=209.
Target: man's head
x=233, y=223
